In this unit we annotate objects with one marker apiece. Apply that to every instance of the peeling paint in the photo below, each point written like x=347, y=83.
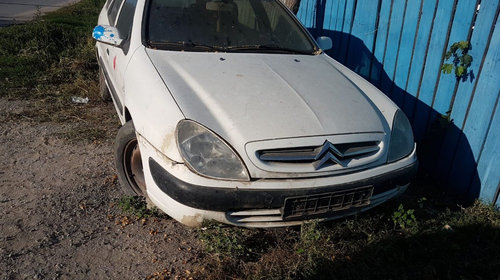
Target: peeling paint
x=98, y=32
x=106, y=34
x=192, y=221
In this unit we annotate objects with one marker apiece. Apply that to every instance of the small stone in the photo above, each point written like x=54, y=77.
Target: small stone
x=447, y=227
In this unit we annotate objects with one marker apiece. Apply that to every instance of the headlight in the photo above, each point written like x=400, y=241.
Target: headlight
x=402, y=142
x=207, y=154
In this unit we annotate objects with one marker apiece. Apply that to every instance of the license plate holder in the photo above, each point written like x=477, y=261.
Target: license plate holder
x=318, y=205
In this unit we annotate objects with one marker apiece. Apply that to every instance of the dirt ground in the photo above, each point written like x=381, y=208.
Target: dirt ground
x=59, y=218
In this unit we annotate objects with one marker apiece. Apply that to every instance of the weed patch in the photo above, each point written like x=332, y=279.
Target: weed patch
x=49, y=51
x=50, y=59
x=404, y=219
x=136, y=206
x=225, y=241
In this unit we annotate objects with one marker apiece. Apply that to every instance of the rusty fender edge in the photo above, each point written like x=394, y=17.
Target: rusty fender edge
x=224, y=199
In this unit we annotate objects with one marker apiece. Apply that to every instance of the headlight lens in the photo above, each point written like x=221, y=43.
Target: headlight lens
x=402, y=142
x=207, y=154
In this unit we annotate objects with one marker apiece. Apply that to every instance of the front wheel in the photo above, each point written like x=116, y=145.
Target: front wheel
x=128, y=161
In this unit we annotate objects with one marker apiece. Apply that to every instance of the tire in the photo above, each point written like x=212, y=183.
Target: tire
x=128, y=161
x=103, y=88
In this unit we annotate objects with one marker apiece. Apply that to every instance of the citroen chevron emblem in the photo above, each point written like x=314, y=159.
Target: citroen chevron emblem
x=327, y=154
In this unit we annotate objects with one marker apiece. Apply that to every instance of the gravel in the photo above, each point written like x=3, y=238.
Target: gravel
x=59, y=218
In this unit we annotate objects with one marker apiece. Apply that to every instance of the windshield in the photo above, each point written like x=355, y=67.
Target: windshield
x=224, y=25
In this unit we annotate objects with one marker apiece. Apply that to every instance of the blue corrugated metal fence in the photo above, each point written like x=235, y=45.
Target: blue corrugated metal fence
x=399, y=46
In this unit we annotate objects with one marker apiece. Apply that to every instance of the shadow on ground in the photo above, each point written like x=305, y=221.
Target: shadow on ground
x=459, y=253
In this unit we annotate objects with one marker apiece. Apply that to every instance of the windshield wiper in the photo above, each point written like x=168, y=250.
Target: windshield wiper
x=204, y=47
x=266, y=48
x=183, y=46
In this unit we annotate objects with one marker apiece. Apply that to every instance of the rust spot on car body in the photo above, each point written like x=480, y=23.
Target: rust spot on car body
x=168, y=141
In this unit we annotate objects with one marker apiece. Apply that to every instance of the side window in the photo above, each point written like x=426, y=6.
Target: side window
x=113, y=11
x=124, y=24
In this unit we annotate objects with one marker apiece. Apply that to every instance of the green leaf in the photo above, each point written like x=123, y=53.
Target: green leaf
x=463, y=45
x=447, y=68
x=448, y=55
x=459, y=71
x=467, y=60
x=454, y=47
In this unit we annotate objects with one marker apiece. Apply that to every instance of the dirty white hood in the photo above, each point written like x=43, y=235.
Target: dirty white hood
x=248, y=97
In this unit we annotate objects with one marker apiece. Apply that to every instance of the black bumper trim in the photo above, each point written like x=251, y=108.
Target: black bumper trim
x=224, y=199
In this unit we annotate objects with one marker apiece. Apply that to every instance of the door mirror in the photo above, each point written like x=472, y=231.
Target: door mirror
x=107, y=34
x=325, y=43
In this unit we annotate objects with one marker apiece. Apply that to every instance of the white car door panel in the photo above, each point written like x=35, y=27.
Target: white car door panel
x=119, y=57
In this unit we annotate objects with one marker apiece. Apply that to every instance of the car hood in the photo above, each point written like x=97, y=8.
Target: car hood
x=250, y=97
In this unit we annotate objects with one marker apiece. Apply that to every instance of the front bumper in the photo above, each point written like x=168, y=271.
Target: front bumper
x=190, y=198
x=230, y=199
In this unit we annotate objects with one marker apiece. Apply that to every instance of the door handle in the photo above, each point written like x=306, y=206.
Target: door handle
x=107, y=51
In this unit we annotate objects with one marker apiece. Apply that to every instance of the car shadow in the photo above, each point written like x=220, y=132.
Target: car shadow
x=462, y=252
x=443, y=149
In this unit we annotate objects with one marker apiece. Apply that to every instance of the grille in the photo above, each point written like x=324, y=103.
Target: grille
x=321, y=156
x=255, y=216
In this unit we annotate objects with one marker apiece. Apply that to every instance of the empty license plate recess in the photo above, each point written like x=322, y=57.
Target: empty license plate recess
x=323, y=204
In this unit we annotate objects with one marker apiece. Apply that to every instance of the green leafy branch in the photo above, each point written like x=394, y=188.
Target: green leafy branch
x=404, y=218
x=461, y=60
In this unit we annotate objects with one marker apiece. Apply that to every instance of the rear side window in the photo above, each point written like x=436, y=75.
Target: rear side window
x=124, y=24
x=113, y=11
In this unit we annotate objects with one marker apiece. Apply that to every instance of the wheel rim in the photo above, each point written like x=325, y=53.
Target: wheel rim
x=132, y=164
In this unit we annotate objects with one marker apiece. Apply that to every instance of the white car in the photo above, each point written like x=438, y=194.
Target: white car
x=232, y=112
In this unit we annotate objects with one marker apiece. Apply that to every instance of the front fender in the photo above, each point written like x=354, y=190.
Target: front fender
x=151, y=106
